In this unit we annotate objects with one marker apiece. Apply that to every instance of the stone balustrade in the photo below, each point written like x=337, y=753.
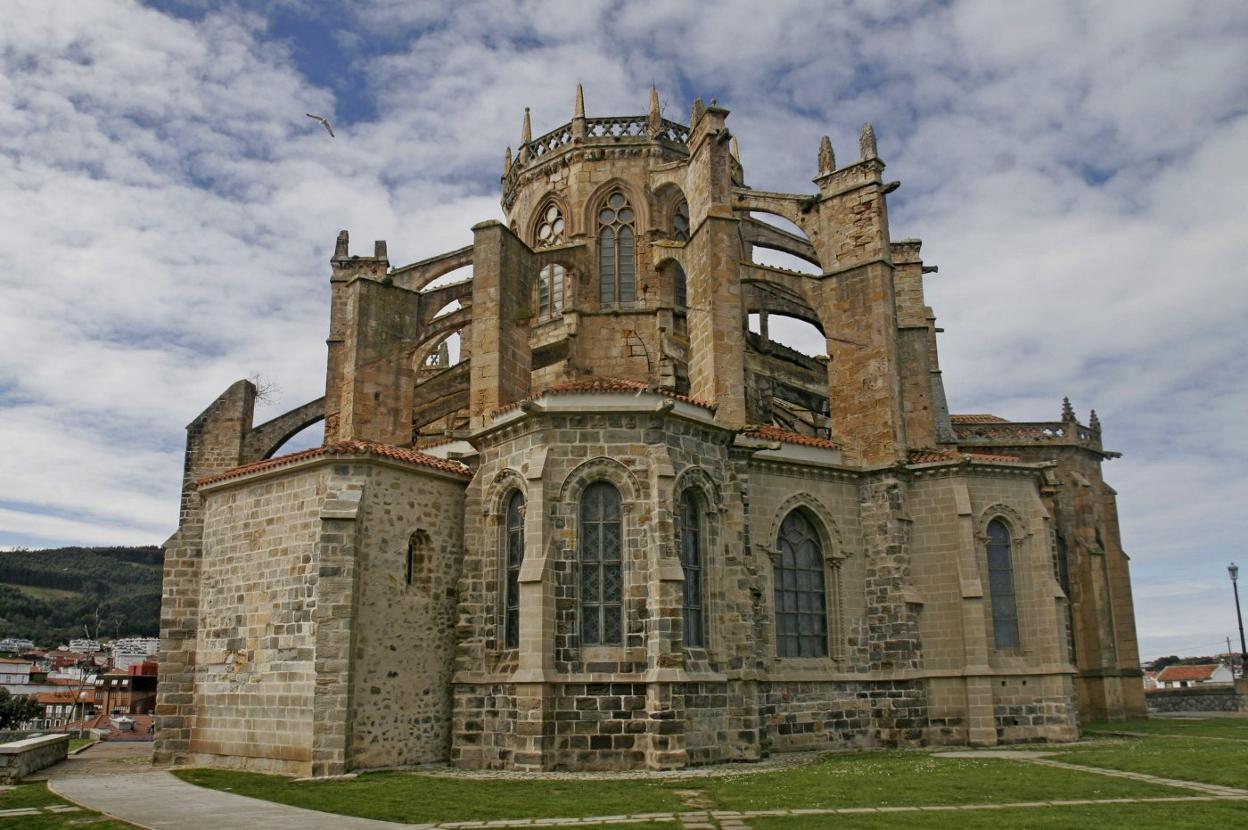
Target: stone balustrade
x=20, y=758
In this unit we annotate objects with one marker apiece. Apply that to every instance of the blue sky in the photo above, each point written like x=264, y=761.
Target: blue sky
x=1077, y=171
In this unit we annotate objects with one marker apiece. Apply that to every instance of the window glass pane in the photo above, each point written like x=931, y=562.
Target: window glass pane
x=556, y=289
x=616, y=201
x=681, y=285
x=1001, y=586
x=800, y=601
x=602, y=578
x=514, y=558
x=543, y=291
x=606, y=266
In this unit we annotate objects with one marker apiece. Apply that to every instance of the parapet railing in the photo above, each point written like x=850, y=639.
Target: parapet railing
x=1029, y=432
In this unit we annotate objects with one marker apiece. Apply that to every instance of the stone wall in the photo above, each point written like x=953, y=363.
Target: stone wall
x=20, y=758
x=1198, y=699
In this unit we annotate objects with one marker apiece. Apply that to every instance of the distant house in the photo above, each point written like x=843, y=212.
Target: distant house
x=14, y=672
x=1150, y=680
x=1183, y=677
x=127, y=693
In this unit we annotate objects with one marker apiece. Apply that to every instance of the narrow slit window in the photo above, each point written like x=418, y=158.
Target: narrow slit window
x=550, y=283
x=515, y=556
x=1001, y=586
x=691, y=562
x=601, y=566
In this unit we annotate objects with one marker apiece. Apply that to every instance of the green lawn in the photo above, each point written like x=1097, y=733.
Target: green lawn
x=1231, y=728
x=37, y=796
x=1102, y=817
x=893, y=779
x=1188, y=759
x=414, y=798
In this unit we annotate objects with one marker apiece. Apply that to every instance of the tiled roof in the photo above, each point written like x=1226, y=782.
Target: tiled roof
x=15, y=661
x=356, y=448
x=930, y=456
x=977, y=419
x=772, y=433
x=1170, y=673
x=53, y=698
x=607, y=385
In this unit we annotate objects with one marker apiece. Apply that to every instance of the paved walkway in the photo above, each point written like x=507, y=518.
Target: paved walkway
x=119, y=781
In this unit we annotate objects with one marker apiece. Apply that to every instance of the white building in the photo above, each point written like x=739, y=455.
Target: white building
x=84, y=646
x=16, y=644
x=130, y=651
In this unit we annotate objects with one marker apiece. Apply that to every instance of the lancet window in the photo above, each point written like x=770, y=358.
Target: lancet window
x=514, y=557
x=691, y=561
x=617, y=269
x=1001, y=586
x=601, y=566
x=800, y=593
x=680, y=222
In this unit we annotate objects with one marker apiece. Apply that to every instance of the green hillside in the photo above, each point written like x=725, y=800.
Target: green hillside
x=49, y=595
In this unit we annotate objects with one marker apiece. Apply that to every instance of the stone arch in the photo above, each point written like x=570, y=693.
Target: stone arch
x=601, y=468
x=666, y=198
x=1018, y=526
x=699, y=479
x=499, y=489
x=570, y=220
x=824, y=524
x=636, y=200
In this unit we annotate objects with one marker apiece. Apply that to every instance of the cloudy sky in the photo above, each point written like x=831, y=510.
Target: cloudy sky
x=1079, y=172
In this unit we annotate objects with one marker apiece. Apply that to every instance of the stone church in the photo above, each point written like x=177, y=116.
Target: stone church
x=620, y=526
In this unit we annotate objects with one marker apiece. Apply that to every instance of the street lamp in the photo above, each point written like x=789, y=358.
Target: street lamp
x=1233, y=570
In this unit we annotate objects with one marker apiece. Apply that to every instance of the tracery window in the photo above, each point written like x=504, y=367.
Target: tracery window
x=801, y=598
x=1001, y=586
x=550, y=281
x=550, y=229
x=602, y=577
x=680, y=222
x=691, y=561
x=617, y=277
x=515, y=556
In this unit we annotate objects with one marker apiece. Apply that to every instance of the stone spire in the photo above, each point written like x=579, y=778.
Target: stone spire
x=1094, y=423
x=734, y=148
x=695, y=114
x=341, y=246
x=654, y=122
x=866, y=144
x=526, y=132
x=827, y=159
x=506, y=161
x=1068, y=411
x=579, y=112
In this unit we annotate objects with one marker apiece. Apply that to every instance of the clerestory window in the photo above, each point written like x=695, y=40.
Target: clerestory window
x=1001, y=586
x=515, y=556
x=680, y=222
x=691, y=562
x=801, y=598
x=601, y=566
x=617, y=270
x=550, y=287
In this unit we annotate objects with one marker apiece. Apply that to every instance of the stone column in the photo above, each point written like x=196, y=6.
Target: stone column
x=502, y=275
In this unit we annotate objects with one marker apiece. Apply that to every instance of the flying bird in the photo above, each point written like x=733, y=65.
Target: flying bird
x=324, y=122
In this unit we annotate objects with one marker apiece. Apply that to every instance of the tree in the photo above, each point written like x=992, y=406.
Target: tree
x=1161, y=662
x=16, y=710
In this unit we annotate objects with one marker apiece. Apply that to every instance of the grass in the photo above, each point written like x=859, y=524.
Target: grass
x=76, y=743
x=1102, y=817
x=37, y=796
x=896, y=779
x=1187, y=759
x=1230, y=728
x=415, y=798
x=39, y=592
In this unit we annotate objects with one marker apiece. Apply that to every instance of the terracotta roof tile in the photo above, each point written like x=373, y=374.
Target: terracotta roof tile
x=1187, y=672
x=931, y=456
x=981, y=418
x=355, y=448
x=606, y=385
x=773, y=433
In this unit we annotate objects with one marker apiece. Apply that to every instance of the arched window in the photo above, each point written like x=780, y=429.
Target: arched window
x=550, y=292
x=515, y=555
x=1001, y=586
x=801, y=600
x=417, y=557
x=680, y=287
x=680, y=222
x=691, y=561
x=550, y=228
x=602, y=577
x=617, y=277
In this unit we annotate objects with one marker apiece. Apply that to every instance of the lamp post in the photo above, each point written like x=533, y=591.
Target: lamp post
x=1233, y=570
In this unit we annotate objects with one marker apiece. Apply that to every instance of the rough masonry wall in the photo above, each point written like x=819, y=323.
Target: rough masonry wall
x=256, y=648
x=405, y=633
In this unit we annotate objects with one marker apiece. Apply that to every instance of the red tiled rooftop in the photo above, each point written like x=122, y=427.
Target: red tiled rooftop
x=606, y=385
x=930, y=456
x=772, y=433
x=1172, y=673
x=979, y=418
x=347, y=448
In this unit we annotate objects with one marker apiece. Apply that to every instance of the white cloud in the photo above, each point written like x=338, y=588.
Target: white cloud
x=1075, y=169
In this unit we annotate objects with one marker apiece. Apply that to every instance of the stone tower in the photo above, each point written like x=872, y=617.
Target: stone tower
x=620, y=528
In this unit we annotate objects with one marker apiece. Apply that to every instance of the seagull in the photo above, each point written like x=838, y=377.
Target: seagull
x=324, y=122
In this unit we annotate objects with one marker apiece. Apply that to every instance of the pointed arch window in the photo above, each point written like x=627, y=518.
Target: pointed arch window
x=1001, y=586
x=800, y=594
x=617, y=268
x=601, y=567
x=680, y=222
x=680, y=287
x=691, y=561
x=550, y=227
x=515, y=556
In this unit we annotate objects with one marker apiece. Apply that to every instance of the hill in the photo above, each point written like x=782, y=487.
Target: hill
x=49, y=595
